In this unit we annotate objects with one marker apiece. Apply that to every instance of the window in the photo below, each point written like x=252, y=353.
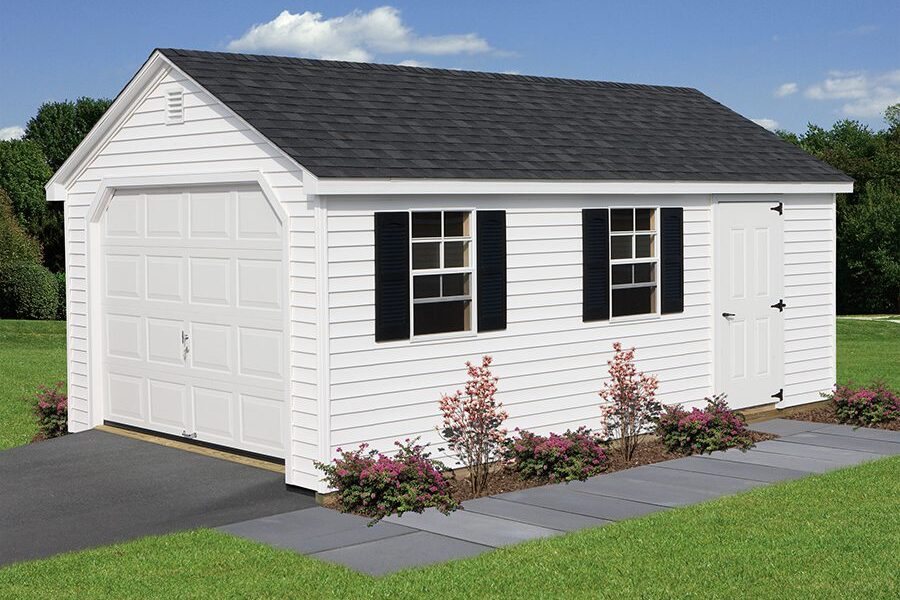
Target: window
x=441, y=259
x=633, y=261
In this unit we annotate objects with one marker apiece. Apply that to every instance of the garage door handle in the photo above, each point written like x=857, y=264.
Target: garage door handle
x=192, y=436
x=726, y=315
x=184, y=337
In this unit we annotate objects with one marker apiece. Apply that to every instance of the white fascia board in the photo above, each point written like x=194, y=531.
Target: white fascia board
x=364, y=187
x=147, y=76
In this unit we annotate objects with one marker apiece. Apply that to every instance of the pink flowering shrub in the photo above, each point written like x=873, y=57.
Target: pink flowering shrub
x=631, y=406
x=715, y=427
x=864, y=405
x=472, y=421
x=372, y=484
x=51, y=407
x=574, y=455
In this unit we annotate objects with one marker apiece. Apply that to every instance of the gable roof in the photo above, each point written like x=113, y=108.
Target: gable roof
x=359, y=120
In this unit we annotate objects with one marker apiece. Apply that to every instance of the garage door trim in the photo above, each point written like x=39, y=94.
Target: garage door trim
x=107, y=190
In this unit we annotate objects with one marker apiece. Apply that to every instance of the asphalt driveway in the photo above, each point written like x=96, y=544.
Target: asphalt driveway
x=95, y=488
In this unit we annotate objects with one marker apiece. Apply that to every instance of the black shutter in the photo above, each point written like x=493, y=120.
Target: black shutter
x=490, y=240
x=671, y=244
x=391, y=276
x=595, y=264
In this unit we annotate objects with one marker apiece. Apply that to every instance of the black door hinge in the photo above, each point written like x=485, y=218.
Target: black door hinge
x=779, y=209
x=780, y=306
x=779, y=394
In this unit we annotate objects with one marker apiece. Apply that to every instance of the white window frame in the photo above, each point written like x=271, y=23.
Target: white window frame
x=471, y=270
x=654, y=260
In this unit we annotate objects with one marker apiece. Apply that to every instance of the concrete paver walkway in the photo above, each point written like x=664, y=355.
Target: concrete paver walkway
x=487, y=523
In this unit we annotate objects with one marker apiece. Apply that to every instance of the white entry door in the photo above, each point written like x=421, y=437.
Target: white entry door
x=193, y=316
x=748, y=281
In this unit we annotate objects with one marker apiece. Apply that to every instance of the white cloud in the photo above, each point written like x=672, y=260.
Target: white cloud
x=864, y=94
x=357, y=36
x=786, y=89
x=770, y=124
x=412, y=63
x=11, y=133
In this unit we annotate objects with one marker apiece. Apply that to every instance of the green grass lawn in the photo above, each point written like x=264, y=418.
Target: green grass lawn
x=867, y=351
x=32, y=353
x=830, y=536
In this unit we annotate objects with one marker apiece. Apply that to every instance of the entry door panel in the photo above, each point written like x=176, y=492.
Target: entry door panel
x=193, y=316
x=748, y=279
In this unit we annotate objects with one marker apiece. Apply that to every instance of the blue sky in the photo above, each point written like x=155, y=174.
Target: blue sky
x=789, y=62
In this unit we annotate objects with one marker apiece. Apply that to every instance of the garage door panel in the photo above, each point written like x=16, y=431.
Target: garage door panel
x=214, y=413
x=260, y=422
x=256, y=219
x=164, y=341
x=211, y=346
x=165, y=278
x=167, y=401
x=124, y=273
x=124, y=336
x=165, y=215
x=261, y=352
x=211, y=215
x=123, y=217
x=259, y=283
x=210, y=280
x=125, y=397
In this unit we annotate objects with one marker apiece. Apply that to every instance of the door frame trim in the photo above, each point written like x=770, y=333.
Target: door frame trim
x=93, y=235
x=716, y=201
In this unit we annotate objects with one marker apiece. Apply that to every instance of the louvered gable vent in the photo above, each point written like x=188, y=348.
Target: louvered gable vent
x=174, y=107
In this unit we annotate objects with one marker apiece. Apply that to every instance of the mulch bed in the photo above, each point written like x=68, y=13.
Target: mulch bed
x=505, y=479
x=825, y=414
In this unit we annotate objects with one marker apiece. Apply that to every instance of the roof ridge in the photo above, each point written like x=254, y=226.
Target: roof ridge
x=317, y=62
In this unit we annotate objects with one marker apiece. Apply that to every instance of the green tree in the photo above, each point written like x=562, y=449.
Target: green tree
x=868, y=220
x=23, y=173
x=58, y=127
x=869, y=251
x=15, y=243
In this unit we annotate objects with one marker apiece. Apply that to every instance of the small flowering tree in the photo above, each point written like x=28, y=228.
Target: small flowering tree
x=472, y=422
x=631, y=406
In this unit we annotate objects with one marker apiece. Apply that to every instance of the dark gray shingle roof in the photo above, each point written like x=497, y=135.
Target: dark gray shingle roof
x=343, y=119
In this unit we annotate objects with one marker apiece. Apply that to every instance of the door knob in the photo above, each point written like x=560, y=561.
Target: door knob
x=727, y=314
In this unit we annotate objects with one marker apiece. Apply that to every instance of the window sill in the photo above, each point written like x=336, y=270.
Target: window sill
x=437, y=337
x=635, y=319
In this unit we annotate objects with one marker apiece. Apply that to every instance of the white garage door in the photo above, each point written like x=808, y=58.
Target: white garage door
x=194, y=341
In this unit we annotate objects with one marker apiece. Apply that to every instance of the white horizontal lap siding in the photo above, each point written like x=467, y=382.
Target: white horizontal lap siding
x=809, y=289
x=211, y=140
x=551, y=364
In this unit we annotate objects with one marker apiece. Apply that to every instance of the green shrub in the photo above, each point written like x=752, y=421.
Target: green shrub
x=15, y=243
x=61, y=296
x=864, y=406
x=375, y=485
x=715, y=427
x=27, y=291
x=51, y=408
x=571, y=456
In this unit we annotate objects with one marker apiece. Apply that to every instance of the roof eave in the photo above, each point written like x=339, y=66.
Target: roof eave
x=373, y=186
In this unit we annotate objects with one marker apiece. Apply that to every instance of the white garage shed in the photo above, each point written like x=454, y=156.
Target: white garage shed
x=283, y=256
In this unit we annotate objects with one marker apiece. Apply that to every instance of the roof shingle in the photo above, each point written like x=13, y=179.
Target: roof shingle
x=343, y=119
